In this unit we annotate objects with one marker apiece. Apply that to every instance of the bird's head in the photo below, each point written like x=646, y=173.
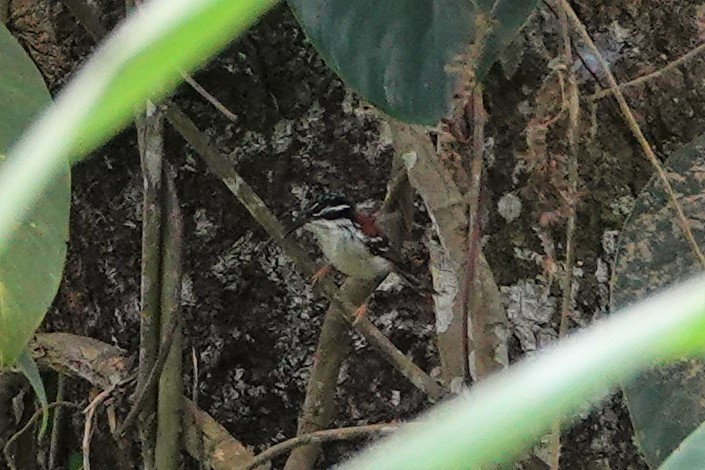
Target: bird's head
x=329, y=207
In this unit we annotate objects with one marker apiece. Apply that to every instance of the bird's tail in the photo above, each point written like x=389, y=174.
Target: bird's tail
x=421, y=285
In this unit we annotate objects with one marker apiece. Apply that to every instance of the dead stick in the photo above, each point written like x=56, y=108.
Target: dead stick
x=685, y=58
x=208, y=97
x=328, y=435
x=150, y=126
x=170, y=390
x=152, y=379
x=567, y=279
x=333, y=347
x=57, y=422
x=32, y=419
x=89, y=411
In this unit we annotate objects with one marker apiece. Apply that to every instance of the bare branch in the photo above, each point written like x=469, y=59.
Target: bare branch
x=685, y=58
x=318, y=437
x=208, y=97
x=28, y=424
x=89, y=411
x=57, y=422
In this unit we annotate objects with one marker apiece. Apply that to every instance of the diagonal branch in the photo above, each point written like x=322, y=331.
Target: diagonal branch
x=318, y=437
x=333, y=347
x=685, y=58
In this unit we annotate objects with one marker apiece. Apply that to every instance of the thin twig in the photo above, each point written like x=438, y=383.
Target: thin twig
x=587, y=66
x=152, y=379
x=30, y=421
x=572, y=140
x=636, y=130
x=691, y=54
x=92, y=24
x=328, y=435
x=86, y=442
x=57, y=422
x=200, y=453
x=210, y=98
x=100, y=398
x=89, y=411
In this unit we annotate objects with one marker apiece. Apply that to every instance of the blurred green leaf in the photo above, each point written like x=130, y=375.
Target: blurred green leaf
x=75, y=461
x=396, y=53
x=665, y=403
x=26, y=365
x=32, y=260
x=512, y=409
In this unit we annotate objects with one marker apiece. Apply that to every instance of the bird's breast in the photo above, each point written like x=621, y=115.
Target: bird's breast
x=348, y=253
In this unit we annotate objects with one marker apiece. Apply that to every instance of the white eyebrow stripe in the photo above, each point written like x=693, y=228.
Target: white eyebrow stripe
x=332, y=209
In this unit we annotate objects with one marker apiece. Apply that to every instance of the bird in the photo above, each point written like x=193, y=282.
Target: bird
x=352, y=243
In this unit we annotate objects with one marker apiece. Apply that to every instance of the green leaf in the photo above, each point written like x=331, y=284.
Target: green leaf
x=32, y=260
x=396, y=53
x=26, y=365
x=690, y=454
x=75, y=461
x=665, y=403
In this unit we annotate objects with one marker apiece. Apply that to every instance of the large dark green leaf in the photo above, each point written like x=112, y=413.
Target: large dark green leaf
x=689, y=454
x=396, y=53
x=31, y=266
x=666, y=403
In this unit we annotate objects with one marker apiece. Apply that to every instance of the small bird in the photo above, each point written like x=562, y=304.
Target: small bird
x=352, y=242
